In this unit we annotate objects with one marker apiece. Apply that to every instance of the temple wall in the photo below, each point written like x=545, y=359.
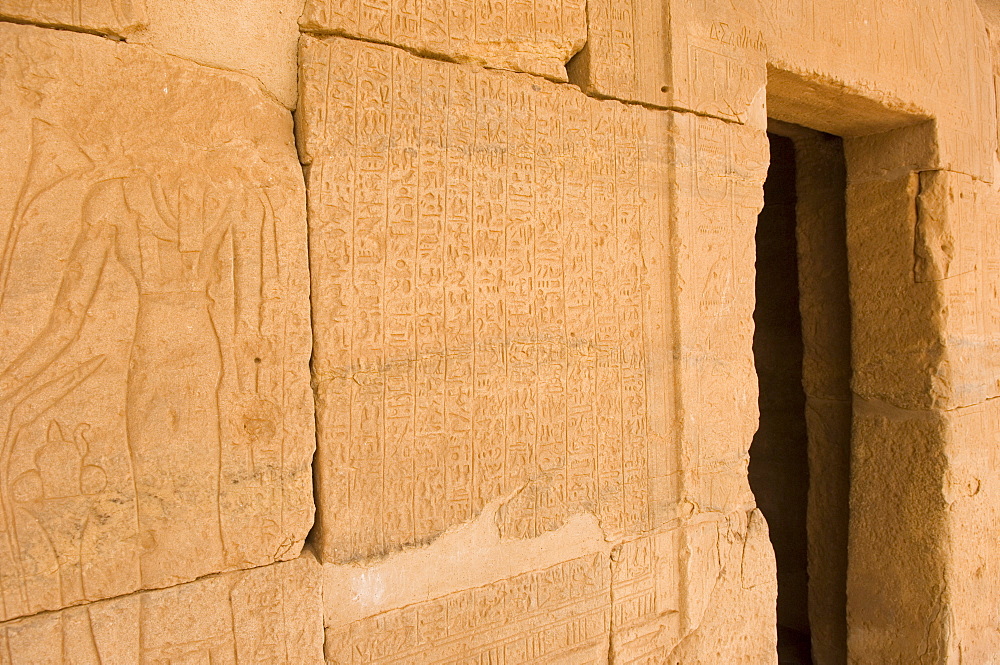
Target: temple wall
x=422, y=332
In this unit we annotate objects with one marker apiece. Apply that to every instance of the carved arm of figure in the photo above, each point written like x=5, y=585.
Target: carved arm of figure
x=103, y=210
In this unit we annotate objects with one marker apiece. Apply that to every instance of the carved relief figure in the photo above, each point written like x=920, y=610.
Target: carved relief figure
x=167, y=233
x=156, y=416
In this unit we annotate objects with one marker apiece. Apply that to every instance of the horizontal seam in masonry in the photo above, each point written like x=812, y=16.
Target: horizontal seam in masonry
x=306, y=552
x=440, y=57
x=658, y=107
x=60, y=27
x=429, y=55
x=117, y=38
x=875, y=403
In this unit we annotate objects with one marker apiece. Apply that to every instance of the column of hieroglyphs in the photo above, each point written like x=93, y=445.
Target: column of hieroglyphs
x=156, y=417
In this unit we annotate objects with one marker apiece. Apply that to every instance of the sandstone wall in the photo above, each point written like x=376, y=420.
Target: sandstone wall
x=421, y=332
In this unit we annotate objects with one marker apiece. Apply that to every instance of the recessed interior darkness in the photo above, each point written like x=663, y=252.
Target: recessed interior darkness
x=799, y=460
x=779, y=468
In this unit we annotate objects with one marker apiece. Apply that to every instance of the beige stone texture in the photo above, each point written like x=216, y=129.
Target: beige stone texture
x=897, y=607
x=481, y=243
x=557, y=614
x=991, y=14
x=157, y=420
x=957, y=236
x=270, y=615
x=971, y=487
x=678, y=595
x=106, y=17
x=716, y=178
x=898, y=320
x=829, y=425
x=536, y=36
x=526, y=275
x=700, y=594
x=709, y=56
x=492, y=255
x=256, y=38
x=914, y=484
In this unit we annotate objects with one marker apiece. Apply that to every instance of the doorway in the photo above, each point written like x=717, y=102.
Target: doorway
x=800, y=456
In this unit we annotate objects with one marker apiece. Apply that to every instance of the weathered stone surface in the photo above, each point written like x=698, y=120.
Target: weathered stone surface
x=110, y=17
x=156, y=413
x=715, y=57
x=563, y=597
x=716, y=179
x=972, y=493
x=898, y=321
x=558, y=614
x=479, y=243
x=957, y=235
x=488, y=255
x=267, y=615
x=705, y=55
x=533, y=322
x=702, y=593
x=258, y=38
x=898, y=505
x=536, y=36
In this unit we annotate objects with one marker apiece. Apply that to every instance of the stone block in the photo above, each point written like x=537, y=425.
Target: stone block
x=716, y=57
x=557, y=614
x=270, y=615
x=107, y=17
x=972, y=490
x=899, y=548
x=957, y=232
x=157, y=419
x=535, y=36
x=829, y=424
x=718, y=170
x=258, y=38
x=705, y=56
x=898, y=321
x=489, y=255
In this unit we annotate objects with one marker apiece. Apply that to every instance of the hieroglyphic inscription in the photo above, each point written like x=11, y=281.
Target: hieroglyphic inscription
x=482, y=306
x=557, y=615
x=155, y=410
x=700, y=55
x=610, y=50
x=537, y=36
x=667, y=584
x=262, y=617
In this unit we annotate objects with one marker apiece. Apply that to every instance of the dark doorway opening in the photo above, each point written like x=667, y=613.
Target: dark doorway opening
x=779, y=456
x=800, y=456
